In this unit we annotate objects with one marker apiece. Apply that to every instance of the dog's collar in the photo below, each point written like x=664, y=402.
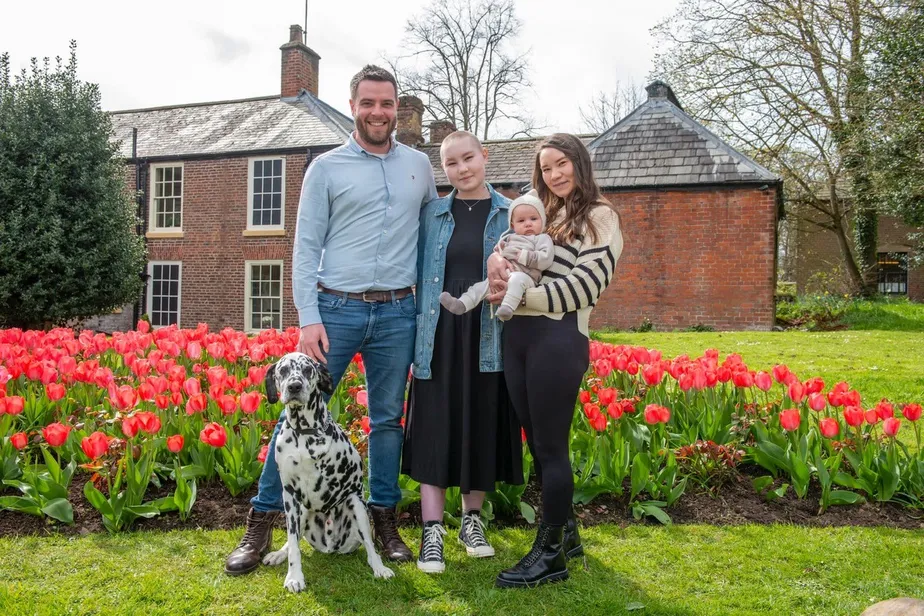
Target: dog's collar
x=308, y=431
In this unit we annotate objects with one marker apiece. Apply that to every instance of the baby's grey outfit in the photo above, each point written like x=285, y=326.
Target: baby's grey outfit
x=529, y=255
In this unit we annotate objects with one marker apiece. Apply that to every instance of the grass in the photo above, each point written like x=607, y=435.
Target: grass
x=879, y=364
x=682, y=571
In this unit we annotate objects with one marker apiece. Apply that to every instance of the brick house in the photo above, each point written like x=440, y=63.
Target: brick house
x=219, y=186
x=817, y=263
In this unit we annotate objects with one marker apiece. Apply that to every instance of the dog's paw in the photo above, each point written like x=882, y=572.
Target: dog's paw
x=383, y=572
x=276, y=558
x=294, y=583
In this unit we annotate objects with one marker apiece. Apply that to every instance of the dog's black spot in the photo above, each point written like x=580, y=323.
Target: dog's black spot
x=287, y=507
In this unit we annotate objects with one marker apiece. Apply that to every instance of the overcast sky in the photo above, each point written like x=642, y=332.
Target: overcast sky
x=146, y=54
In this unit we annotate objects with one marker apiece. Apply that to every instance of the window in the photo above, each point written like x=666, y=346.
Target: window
x=164, y=292
x=167, y=197
x=266, y=193
x=893, y=273
x=263, y=295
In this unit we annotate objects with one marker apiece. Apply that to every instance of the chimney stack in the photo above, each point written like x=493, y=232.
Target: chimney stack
x=657, y=89
x=440, y=129
x=410, y=121
x=299, y=65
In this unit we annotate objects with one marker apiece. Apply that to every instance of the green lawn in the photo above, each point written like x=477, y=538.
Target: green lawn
x=879, y=364
x=684, y=571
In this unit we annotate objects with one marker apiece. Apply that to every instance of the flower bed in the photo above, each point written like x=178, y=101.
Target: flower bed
x=175, y=408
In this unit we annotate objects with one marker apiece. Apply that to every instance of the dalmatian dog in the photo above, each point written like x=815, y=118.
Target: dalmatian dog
x=320, y=469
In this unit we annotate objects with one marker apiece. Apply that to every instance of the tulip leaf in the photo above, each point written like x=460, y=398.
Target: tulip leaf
x=640, y=470
x=97, y=499
x=60, y=510
x=18, y=503
x=762, y=483
x=843, y=497
x=528, y=513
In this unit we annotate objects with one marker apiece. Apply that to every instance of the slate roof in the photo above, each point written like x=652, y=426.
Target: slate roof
x=658, y=144
x=510, y=161
x=228, y=127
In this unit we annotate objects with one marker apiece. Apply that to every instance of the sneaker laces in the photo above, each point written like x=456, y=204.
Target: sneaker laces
x=432, y=548
x=473, y=531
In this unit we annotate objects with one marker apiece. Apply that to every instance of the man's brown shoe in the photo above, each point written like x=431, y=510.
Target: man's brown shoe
x=258, y=538
x=387, y=539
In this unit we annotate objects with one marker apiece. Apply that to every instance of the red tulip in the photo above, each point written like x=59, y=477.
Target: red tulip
x=250, y=401
x=196, y=404
x=19, y=440
x=584, y=396
x=829, y=427
x=130, y=426
x=912, y=412
x=192, y=386
x=149, y=422
x=256, y=374
x=598, y=422
x=656, y=414
x=362, y=397
x=143, y=326
x=817, y=402
x=685, y=382
x=365, y=425
x=814, y=385
x=652, y=373
x=591, y=409
x=614, y=410
x=891, y=426
x=175, y=443
x=227, y=403
x=836, y=395
x=146, y=391
x=13, y=405
x=853, y=415
x=763, y=381
x=194, y=350
x=603, y=368
x=55, y=434
x=796, y=392
x=261, y=457
x=871, y=417
x=790, y=419
x=55, y=391
x=95, y=445
x=884, y=410
x=161, y=401
x=780, y=373
x=214, y=434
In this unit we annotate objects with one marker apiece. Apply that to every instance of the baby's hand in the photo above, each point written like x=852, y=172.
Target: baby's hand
x=511, y=253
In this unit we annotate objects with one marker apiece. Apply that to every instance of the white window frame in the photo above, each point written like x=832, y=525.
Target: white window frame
x=248, y=270
x=152, y=209
x=250, y=194
x=179, y=291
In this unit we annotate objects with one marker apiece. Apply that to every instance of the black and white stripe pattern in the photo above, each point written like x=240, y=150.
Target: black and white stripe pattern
x=581, y=270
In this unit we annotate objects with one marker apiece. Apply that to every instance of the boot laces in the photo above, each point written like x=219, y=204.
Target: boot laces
x=533, y=555
x=256, y=529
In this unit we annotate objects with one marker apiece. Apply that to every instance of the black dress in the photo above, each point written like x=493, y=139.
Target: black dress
x=461, y=427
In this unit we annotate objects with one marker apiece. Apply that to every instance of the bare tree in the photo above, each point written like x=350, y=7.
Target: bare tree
x=607, y=108
x=787, y=81
x=461, y=63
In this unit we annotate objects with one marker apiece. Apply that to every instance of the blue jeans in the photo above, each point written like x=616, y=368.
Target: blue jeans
x=384, y=333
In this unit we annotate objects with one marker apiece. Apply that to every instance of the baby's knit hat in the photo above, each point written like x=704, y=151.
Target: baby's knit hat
x=530, y=198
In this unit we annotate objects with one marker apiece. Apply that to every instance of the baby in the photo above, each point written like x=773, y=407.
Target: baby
x=529, y=251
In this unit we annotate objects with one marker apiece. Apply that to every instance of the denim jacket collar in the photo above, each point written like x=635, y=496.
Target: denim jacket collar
x=498, y=202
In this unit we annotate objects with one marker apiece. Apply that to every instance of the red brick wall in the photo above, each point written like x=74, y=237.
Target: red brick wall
x=299, y=70
x=213, y=249
x=703, y=256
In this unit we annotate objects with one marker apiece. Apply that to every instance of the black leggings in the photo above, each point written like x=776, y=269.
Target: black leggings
x=544, y=364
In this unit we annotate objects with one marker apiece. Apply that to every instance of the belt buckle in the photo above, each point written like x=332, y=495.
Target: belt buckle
x=365, y=299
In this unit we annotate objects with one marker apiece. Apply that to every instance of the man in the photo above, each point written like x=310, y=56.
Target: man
x=353, y=265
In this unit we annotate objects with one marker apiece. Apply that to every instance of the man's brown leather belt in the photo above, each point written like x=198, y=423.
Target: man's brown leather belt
x=372, y=296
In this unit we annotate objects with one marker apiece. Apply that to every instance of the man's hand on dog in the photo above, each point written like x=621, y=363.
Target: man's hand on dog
x=498, y=272
x=312, y=340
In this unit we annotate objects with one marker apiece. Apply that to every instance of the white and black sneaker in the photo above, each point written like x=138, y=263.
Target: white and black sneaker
x=471, y=535
x=431, y=548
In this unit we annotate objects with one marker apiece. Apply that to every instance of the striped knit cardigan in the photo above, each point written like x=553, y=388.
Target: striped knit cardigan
x=582, y=269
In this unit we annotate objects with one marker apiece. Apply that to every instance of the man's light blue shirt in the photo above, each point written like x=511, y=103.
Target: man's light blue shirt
x=358, y=219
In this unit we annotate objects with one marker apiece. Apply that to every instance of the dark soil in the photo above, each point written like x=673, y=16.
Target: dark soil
x=735, y=503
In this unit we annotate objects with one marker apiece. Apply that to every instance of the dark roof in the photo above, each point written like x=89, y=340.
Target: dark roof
x=658, y=144
x=227, y=127
x=510, y=161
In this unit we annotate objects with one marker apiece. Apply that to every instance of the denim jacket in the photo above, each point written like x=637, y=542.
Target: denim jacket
x=436, y=226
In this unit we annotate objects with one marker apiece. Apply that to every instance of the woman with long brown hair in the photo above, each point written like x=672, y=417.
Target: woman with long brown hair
x=546, y=346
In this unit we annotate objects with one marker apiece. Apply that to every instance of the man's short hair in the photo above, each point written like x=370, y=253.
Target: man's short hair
x=371, y=72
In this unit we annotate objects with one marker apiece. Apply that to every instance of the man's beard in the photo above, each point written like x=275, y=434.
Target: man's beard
x=365, y=136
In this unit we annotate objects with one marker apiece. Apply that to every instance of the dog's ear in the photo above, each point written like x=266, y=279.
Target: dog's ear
x=272, y=396
x=325, y=381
